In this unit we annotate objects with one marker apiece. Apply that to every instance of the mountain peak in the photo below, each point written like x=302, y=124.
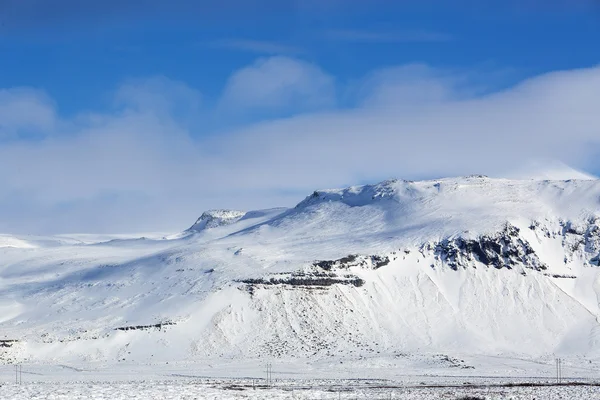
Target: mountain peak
x=215, y=218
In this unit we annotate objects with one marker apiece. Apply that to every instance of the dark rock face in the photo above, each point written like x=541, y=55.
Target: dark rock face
x=561, y=276
x=326, y=265
x=307, y=280
x=380, y=261
x=321, y=274
x=158, y=326
x=353, y=260
x=506, y=249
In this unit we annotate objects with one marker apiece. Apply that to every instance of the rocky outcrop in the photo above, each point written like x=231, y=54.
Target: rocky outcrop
x=353, y=260
x=306, y=280
x=581, y=239
x=505, y=249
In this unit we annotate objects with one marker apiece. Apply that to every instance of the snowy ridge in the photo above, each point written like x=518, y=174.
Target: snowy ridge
x=397, y=270
x=215, y=218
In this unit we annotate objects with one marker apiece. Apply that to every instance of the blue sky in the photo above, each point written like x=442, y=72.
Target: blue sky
x=184, y=94
x=77, y=53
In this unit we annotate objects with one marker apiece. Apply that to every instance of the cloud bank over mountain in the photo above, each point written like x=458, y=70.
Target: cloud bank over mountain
x=110, y=170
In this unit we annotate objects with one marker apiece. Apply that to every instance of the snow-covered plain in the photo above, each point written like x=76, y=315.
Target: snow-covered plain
x=460, y=277
x=167, y=390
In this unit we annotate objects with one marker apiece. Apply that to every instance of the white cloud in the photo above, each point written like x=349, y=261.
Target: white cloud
x=410, y=85
x=159, y=95
x=141, y=168
x=278, y=83
x=548, y=170
x=24, y=109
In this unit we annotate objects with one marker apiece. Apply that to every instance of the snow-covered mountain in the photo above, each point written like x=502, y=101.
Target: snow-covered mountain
x=464, y=266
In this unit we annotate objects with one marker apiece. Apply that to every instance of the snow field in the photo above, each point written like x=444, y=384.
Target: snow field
x=223, y=391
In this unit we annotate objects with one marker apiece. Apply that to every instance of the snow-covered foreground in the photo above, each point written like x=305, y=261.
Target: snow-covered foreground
x=379, y=378
x=202, y=389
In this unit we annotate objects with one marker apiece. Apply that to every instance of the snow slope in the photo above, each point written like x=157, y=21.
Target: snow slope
x=424, y=274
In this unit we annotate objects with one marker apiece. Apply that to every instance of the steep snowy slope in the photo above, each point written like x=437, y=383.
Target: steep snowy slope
x=464, y=266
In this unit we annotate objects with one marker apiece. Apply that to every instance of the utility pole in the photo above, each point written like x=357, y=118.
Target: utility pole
x=560, y=374
x=558, y=370
x=269, y=374
x=18, y=374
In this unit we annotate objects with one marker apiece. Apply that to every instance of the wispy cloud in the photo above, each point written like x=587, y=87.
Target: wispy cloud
x=279, y=83
x=387, y=37
x=24, y=110
x=257, y=46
